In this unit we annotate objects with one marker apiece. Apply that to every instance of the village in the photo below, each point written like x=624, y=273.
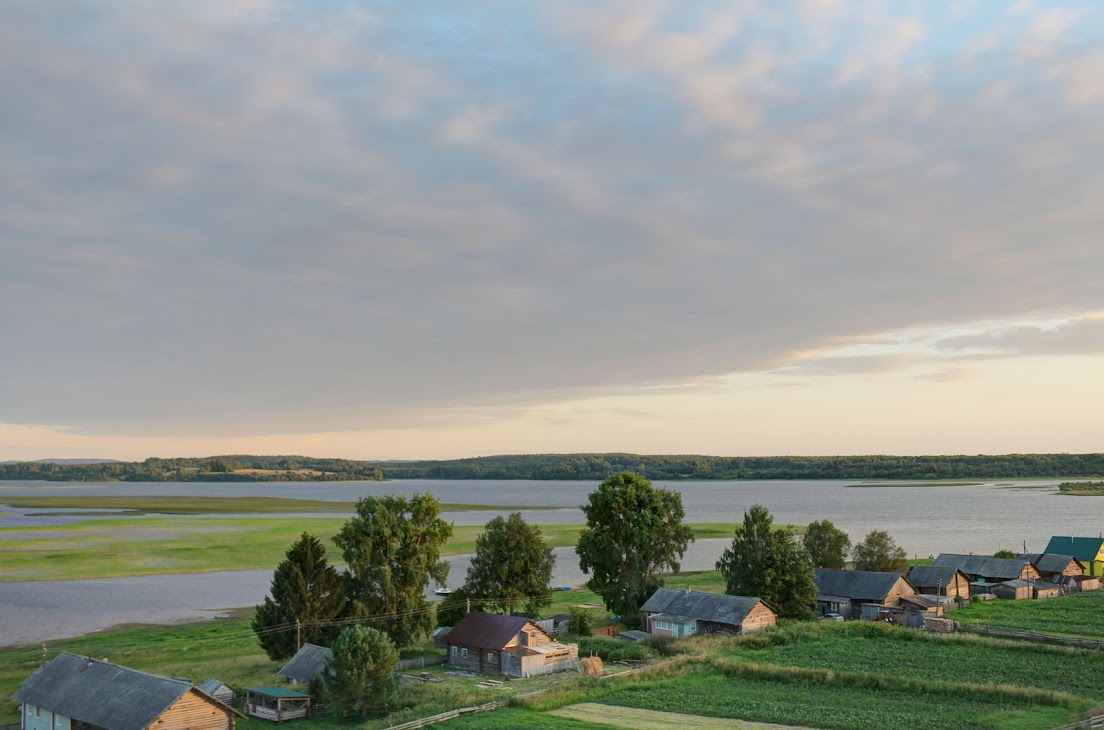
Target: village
x=492, y=650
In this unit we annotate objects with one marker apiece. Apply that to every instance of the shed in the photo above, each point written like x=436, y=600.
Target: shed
x=1088, y=582
x=686, y=613
x=73, y=691
x=276, y=703
x=1088, y=550
x=439, y=635
x=218, y=690
x=1045, y=589
x=1017, y=590
x=845, y=591
x=942, y=581
x=987, y=569
x=307, y=664
x=634, y=635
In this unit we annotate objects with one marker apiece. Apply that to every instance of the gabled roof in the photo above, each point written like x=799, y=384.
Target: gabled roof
x=985, y=566
x=855, y=583
x=934, y=575
x=307, y=663
x=104, y=694
x=212, y=686
x=1050, y=562
x=1085, y=549
x=486, y=630
x=712, y=607
x=1018, y=583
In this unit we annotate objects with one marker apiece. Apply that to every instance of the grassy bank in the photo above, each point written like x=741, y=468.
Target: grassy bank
x=1074, y=615
x=147, y=546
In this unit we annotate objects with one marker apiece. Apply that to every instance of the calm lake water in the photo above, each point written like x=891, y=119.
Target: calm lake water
x=925, y=520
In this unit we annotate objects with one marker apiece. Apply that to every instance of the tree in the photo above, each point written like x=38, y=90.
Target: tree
x=769, y=563
x=512, y=566
x=393, y=549
x=827, y=545
x=579, y=623
x=305, y=587
x=878, y=552
x=633, y=533
x=455, y=606
x=359, y=678
x=1005, y=554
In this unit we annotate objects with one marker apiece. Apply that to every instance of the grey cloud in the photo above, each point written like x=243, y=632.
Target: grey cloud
x=277, y=219
x=1082, y=336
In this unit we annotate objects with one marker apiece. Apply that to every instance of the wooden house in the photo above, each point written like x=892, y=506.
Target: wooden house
x=510, y=645
x=844, y=592
x=74, y=692
x=688, y=613
x=1088, y=550
x=1053, y=566
x=945, y=581
x=307, y=664
x=987, y=569
x=1016, y=590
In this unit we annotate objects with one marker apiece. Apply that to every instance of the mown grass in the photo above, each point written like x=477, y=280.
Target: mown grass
x=122, y=546
x=1079, y=614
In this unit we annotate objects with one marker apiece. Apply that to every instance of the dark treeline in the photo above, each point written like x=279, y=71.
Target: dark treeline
x=588, y=467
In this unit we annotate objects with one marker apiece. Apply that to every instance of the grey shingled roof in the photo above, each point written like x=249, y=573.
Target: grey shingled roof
x=101, y=693
x=932, y=575
x=485, y=630
x=985, y=566
x=855, y=583
x=1049, y=562
x=699, y=605
x=307, y=663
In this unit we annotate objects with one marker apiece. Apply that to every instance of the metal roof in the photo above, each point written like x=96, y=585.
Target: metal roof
x=712, y=607
x=1050, y=562
x=104, y=694
x=278, y=693
x=486, y=630
x=861, y=584
x=931, y=575
x=985, y=566
x=1085, y=549
x=307, y=663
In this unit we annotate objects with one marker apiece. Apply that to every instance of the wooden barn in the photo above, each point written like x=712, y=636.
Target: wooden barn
x=1045, y=589
x=307, y=664
x=1014, y=590
x=1088, y=550
x=218, y=690
x=945, y=581
x=987, y=569
x=688, y=613
x=1053, y=566
x=845, y=592
x=72, y=692
x=510, y=645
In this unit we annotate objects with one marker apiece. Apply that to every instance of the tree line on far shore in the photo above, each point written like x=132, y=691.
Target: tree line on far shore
x=634, y=536
x=572, y=467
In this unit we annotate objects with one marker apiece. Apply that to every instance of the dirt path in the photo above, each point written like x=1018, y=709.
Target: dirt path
x=630, y=717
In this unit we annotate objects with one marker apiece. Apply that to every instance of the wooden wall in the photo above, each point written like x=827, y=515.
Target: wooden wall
x=760, y=618
x=194, y=712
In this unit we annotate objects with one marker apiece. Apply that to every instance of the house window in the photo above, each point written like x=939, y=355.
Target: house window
x=490, y=657
x=454, y=651
x=464, y=653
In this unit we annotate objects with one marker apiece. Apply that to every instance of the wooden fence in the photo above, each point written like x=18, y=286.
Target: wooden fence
x=450, y=715
x=421, y=662
x=1093, y=723
x=608, y=631
x=1029, y=635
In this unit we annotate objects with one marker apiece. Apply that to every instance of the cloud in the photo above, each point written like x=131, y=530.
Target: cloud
x=287, y=218
x=1080, y=336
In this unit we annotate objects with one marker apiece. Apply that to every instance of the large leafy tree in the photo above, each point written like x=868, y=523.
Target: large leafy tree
x=393, y=549
x=768, y=562
x=879, y=552
x=634, y=532
x=827, y=545
x=360, y=677
x=307, y=589
x=512, y=566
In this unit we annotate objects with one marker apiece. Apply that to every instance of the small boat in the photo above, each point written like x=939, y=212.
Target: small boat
x=442, y=591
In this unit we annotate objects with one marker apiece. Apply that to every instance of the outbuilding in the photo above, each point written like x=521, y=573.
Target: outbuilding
x=688, y=613
x=940, y=581
x=1017, y=590
x=307, y=664
x=987, y=569
x=845, y=592
x=1053, y=566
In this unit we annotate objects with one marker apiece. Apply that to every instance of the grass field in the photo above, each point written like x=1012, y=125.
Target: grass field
x=121, y=546
x=1080, y=614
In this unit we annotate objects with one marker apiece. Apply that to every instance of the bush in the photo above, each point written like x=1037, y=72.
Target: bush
x=579, y=624
x=611, y=650
x=663, y=645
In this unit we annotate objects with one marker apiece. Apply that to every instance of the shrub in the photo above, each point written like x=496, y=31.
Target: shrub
x=611, y=650
x=663, y=645
x=579, y=623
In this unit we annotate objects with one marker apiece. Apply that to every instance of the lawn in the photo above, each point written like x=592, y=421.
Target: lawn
x=1079, y=614
x=121, y=546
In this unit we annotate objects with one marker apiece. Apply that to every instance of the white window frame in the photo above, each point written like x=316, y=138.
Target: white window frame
x=464, y=653
x=454, y=651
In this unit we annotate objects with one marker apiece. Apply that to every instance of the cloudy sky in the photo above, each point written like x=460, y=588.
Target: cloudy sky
x=433, y=229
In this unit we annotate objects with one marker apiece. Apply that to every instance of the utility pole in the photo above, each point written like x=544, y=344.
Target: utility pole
x=298, y=640
x=44, y=653
x=467, y=604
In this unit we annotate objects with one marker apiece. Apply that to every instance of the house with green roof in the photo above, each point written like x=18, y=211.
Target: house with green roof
x=1088, y=550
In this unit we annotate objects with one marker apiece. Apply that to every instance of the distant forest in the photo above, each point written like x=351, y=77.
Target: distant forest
x=587, y=467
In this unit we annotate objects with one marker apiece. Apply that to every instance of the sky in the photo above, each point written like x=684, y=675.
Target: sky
x=410, y=229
